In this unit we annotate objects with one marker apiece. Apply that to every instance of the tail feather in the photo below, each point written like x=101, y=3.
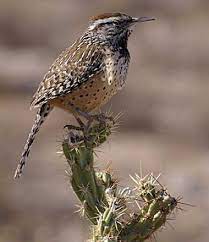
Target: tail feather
x=42, y=113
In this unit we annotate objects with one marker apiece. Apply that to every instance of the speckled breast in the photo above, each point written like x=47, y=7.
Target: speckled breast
x=89, y=96
x=100, y=88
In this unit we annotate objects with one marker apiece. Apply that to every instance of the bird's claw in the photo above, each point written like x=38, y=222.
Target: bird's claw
x=73, y=127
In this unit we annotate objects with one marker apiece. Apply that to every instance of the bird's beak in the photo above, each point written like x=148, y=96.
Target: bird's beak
x=142, y=19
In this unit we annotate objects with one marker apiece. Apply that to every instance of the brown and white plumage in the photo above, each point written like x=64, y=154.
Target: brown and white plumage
x=72, y=68
x=85, y=75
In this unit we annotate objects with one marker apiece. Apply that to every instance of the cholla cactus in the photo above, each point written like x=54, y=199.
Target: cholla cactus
x=129, y=214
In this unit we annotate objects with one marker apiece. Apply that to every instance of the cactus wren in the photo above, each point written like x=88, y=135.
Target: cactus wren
x=87, y=74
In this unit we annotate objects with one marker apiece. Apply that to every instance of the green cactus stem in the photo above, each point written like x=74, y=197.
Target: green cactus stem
x=107, y=207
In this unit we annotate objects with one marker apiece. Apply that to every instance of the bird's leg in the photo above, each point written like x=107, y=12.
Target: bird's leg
x=82, y=126
x=74, y=137
x=90, y=118
x=72, y=127
x=80, y=122
x=77, y=113
x=101, y=118
x=86, y=115
x=85, y=127
x=78, y=119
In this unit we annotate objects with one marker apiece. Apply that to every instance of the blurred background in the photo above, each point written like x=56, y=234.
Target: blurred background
x=165, y=125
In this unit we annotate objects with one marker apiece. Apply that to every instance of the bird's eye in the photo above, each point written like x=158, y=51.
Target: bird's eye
x=109, y=23
x=105, y=24
x=102, y=24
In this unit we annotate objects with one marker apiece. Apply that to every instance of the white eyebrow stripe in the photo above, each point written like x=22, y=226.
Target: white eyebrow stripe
x=100, y=21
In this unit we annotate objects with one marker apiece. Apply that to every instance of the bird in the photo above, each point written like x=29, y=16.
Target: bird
x=86, y=75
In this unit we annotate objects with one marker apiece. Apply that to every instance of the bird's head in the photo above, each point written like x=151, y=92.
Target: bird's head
x=114, y=25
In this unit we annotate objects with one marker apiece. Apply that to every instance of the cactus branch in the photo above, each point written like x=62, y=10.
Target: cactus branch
x=105, y=205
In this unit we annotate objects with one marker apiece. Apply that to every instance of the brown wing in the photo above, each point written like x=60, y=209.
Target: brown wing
x=73, y=67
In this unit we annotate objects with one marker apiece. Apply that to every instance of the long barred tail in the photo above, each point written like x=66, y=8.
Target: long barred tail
x=42, y=113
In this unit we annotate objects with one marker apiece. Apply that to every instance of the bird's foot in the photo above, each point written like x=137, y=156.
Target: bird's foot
x=88, y=123
x=101, y=117
x=73, y=127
